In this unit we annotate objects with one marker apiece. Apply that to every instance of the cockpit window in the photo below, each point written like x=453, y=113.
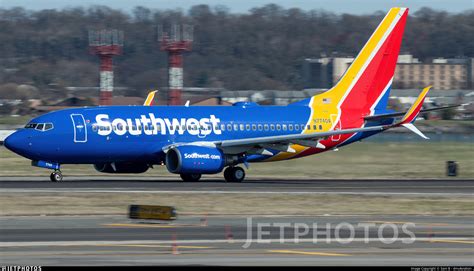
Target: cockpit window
x=48, y=126
x=40, y=126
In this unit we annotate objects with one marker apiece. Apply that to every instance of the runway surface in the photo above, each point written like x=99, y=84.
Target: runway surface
x=444, y=187
x=220, y=240
x=116, y=240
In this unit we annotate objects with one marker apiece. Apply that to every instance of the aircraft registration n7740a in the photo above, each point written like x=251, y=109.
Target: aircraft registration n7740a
x=196, y=140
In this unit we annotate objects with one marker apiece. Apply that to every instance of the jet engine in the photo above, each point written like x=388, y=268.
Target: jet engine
x=196, y=160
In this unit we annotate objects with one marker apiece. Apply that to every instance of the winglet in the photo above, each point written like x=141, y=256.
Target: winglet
x=412, y=113
x=149, y=98
x=414, y=110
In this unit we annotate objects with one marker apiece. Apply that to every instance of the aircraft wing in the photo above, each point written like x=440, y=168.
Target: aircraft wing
x=294, y=138
x=280, y=142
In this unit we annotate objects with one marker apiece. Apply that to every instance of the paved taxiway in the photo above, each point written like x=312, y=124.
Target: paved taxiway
x=444, y=187
x=115, y=240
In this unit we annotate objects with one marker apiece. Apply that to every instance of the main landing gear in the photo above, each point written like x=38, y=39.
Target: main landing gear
x=231, y=175
x=56, y=176
x=190, y=177
x=234, y=174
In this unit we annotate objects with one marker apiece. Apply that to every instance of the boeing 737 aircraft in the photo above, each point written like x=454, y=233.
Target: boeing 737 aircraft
x=195, y=140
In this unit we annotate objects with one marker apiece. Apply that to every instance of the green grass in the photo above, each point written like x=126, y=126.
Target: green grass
x=20, y=120
x=65, y=203
x=356, y=161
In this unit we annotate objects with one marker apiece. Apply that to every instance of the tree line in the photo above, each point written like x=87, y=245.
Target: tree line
x=261, y=49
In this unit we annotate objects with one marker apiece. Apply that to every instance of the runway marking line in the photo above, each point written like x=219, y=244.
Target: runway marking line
x=369, y=193
x=404, y=222
x=309, y=253
x=437, y=232
x=125, y=225
x=155, y=246
x=450, y=241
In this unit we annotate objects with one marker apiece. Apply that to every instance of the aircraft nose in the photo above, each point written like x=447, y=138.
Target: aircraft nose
x=16, y=143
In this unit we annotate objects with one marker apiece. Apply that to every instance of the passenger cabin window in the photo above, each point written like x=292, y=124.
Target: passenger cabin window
x=229, y=127
x=260, y=127
x=266, y=127
x=254, y=127
x=290, y=127
x=272, y=127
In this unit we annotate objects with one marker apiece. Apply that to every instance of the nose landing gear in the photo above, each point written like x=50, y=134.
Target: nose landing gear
x=56, y=176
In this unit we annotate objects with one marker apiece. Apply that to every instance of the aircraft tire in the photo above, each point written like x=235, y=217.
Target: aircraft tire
x=56, y=177
x=234, y=174
x=228, y=174
x=190, y=177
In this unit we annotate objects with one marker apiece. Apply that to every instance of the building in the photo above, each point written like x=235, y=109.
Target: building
x=442, y=74
x=318, y=72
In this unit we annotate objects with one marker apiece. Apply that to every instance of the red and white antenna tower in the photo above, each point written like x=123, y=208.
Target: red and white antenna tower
x=106, y=44
x=175, y=43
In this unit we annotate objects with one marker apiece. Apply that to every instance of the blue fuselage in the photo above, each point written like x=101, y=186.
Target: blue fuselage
x=139, y=133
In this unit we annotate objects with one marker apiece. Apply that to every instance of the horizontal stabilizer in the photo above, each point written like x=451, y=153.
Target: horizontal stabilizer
x=399, y=114
x=415, y=130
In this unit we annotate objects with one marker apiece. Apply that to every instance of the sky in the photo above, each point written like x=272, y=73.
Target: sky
x=242, y=6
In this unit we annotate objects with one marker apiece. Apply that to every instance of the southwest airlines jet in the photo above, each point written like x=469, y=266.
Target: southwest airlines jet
x=195, y=140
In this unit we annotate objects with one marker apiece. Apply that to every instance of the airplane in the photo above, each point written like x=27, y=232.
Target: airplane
x=196, y=140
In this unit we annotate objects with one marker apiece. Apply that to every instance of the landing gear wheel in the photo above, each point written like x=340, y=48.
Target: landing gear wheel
x=234, y=174
x=190, y=177
x=228, y=174
x=56, y=176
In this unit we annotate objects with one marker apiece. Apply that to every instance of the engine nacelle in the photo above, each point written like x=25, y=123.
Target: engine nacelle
x=121, y=167
x=195, y=159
